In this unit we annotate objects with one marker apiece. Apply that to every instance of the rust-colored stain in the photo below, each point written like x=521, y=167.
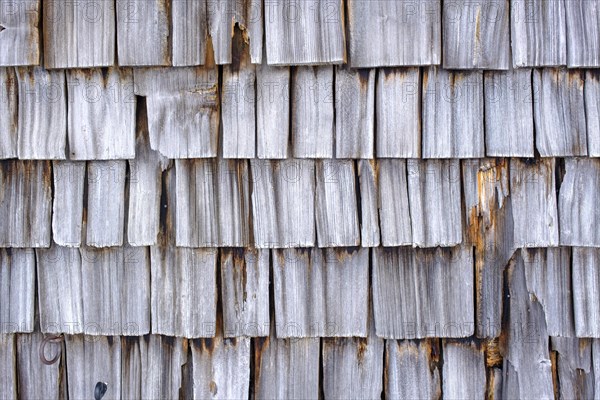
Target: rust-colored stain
x=361, y=349
x=493, y=353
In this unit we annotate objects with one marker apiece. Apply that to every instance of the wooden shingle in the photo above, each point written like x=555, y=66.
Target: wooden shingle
x=67, y=207
x=592, y=111
x=452, y=114
x=586, y=291
x=393, y=204
x=411, y=369
x=8, y=366
x=17, y=290
x=463, y=374
x=79, y=34
x=476, y=34
x=8, y=113
x=538, y=33
x=189, y=32
x=20, y=36
x=575, y=367
x=35, y=381
x=161, y=360
x=369, y=203
x=305, y=32
x=583, y=33
x=394, y=33
x=155, y=80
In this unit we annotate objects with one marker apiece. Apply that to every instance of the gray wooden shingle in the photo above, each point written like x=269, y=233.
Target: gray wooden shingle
x=272, y=111
x=538, y=33
x=305, y=32
x=8, y=366
x=574, y=367
x=592, y=111
x=398, y=105
x=394, y=210
x=559, y=112
x=101, y=116
x=213, y=203
x=8, y=113
x=452, y=114
x=36, y=381
x=116, y=291
x=25, y=203
x=42, y=122
x=283, y=200
x=411, y=370
x=527, y=369
x=67, y=208
x=313, y=294
x=312, y=111
x=17, y=290
x=188, y=32
x=79, y=34
x=92, y=360
x=245, y=292
x=20, y=35
x=221, y=368
x=369, y=203
x=60, y=290
x=355, y=113
x=463, y=374
x=238, y=104
x=336, y=204
x=105, y=203
x=583, y=33
x=578, y=191
x=161, y=360
x=391, y=33
x=476, y=34
x=548, y=274
x=420, y=293
x=533, y=193
x=508, y=113
x=434, y=193
x=286, y=369
x=143, y=30
x=155, y=80
x=191, y=273
x=586, y=291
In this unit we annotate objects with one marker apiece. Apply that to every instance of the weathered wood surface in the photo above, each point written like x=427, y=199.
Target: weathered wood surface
x=354, y=112
x=42, y=122
x=9, y=106
x=161, y=360
x=527, y=366
x=434, y=193
x=245, y=292
x=283, y=199
x=538, y=33
x=312, y=108
x=463, y=373
x=393, y=203
x=586, y=291
x=17, y=290
x=476, y=34
x=394, y=33
x=191, y=273
x=152, y=81
x=35, y=380
x=67, y=209
x=79, y=34
x=286, y=368
x=238, y=104
x=221, y=368
x=533, y=193
x=272, y=111
x=592, y=111
x=101, y=118
x=369, y=203
x=559, y=112
x=25, y=203
x=508, y=113
x=446, y=96
x=313, y=294
x=305, y=32
x=116, y=291
x=8, y=366
x=548, y=274
x=412, y=370
x=189, y=32
x=19, y=34
x=398, y=113
x=143, y=30
x=576, y=375
x=60, y=290
x=423, y=292
x=583, y=33
x=336, y=204
x=105, y=203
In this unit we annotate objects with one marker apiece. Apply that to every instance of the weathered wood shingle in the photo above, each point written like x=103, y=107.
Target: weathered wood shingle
x=369, y=203
x=463, y=375
x=8, y=366
x=20, y=36
x=411, y=370
x=583, y=33
x=189, y=32
x=592, y=111
x=586, y=291
x=17, y=290
x=36, y=381
x=8, y=113
x=393, y=204
x=575, y=367
x=67, y=208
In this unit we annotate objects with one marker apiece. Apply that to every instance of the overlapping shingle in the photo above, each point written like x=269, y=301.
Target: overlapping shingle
x=586, y=291
x=592, y=111
x=189, y=32
x=272, y=111
x=20, y=40
x=412, y=369
x=575, y=367
x=17, y=290
x=67, y=207
x=35, y=382
x=583, y=33
x=8, y=370
x=8, y=113
x=368, y=176
x=463, y=373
